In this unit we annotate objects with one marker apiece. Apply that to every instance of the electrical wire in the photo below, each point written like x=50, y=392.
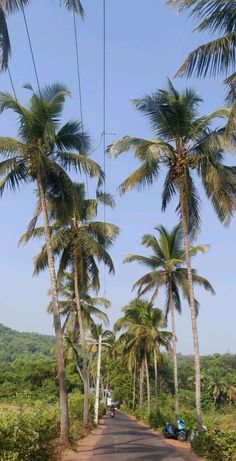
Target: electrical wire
x=77, y=54
x=30, y=46
x=11, y=80
x=104, y=126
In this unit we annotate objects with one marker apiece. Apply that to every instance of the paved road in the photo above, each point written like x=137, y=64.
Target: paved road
x=122, y=439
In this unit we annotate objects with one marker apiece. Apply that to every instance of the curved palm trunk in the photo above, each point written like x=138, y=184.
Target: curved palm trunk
x=64, y=416
x=176, y=384
x=193, y=312
x=155, y=372
x=134, y=386
x=148, y=384
x=141, y=379
x=96, y=409
x=83, y=348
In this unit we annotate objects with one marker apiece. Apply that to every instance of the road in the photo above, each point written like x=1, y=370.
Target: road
x=123, y=439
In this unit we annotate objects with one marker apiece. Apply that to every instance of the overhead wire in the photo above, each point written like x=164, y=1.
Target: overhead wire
x=104, y=125
x=11, y=81
x=77, y=54
x=30, y=46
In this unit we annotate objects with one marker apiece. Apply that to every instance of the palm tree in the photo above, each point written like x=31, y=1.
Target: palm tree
x=142, y=323
x=90, y=306
x=80, y=243
x=166, y=264
x=216, y=56
x=100, y=339
x=40, y=156
x=185, y=144
x=217, y=386
x=12, y=6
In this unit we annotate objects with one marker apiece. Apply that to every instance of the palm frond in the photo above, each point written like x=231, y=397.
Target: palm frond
x=219, y=183
x=72, y=136
x=33, y=233
x=18, y=173
x=144, y=176
x=144, y=149
x=215, y=57
x=74, y=5
x=169, y=190
x=80, y=163
x=5, y=46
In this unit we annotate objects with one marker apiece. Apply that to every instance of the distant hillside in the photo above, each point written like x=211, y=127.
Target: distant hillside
x=15, y=345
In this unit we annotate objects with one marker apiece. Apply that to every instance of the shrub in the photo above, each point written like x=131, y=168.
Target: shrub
x=216, y=445
x=26, y=433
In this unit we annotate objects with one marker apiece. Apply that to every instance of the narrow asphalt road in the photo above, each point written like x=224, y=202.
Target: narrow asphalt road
x=122, y=439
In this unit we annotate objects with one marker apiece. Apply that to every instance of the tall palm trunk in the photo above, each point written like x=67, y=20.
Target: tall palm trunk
x=134, y=386
x=148, y=384
x=64, y=415
x=176, y=384
x=96, y=409
x=141, y=382
x=83, y=347
x=193, y=312
x=155, y=372
x=102, y=387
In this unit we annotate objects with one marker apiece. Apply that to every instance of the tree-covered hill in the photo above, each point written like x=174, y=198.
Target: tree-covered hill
x=15, y=345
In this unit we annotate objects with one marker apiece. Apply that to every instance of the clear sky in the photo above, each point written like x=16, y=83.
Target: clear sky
x=146, y=42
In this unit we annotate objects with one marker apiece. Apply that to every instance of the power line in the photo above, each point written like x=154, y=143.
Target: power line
x=30, y=46
x=104, y=125
x=11, y=80
x=79, y=84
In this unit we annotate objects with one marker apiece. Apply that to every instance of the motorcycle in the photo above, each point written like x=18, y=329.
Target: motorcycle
x=178, y=432
x=112, y=412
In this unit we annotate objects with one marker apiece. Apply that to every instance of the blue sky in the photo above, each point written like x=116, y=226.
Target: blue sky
x=145, y=44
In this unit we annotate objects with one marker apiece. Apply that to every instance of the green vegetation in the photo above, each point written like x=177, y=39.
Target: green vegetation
x=14, y=345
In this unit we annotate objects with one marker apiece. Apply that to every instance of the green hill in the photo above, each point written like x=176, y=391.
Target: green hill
x=15, y=345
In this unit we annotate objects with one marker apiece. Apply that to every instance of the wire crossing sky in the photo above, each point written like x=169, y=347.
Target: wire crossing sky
x=144, y=46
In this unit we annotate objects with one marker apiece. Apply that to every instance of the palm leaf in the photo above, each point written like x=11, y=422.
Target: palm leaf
x=217, y=56
x=5, y=46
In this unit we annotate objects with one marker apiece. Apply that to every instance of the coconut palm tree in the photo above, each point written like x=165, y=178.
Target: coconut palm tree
x=12, y=6
x=142, y=324
x=166, y=271
x=90, y=306
x=185, y=145
x=80, y=243
x=100, y=339
x=40, y=155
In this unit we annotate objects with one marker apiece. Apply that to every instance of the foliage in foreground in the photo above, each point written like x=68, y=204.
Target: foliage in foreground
x=26, y=434
x=30, y=432
x=216, y=445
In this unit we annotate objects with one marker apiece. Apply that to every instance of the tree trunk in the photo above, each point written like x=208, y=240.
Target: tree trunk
x=134, y=386
x=83, y=348
x=171, y=306
x=155, y=371
x=148, y=384
x=102, y=387
x=64, y=415
x=79, y=371
x=141, y=379
x=193, y=313
x=96, y=409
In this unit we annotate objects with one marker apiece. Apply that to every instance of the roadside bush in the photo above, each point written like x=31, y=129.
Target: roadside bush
x=26, y=433
x=216, y=445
